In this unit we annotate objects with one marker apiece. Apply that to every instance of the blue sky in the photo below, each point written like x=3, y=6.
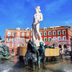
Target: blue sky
x=19, y=13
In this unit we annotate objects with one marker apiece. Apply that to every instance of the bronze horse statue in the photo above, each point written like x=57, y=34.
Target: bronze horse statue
x=34, y=56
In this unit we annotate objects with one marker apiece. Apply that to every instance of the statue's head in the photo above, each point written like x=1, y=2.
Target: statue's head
x=38, y=9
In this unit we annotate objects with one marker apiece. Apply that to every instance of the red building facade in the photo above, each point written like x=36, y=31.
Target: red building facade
x=16, y=37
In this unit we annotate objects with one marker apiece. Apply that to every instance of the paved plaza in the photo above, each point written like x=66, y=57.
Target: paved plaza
x=61, y=66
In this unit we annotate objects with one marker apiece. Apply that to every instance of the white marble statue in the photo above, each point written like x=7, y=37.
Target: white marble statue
x=36, y=36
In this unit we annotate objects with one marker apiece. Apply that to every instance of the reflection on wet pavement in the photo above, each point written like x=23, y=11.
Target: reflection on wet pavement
x=55, y=67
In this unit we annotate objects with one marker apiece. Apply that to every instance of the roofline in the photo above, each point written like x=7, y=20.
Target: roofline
x=45, y=28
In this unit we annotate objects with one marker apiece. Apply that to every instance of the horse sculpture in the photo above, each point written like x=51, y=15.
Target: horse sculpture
x=34, y=56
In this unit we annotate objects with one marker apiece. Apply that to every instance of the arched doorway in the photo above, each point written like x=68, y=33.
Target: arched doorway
x=66, y=52
x=60, y=46
x=65, y=46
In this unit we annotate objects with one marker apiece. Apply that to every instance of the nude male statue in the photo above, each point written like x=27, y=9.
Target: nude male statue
x=36, y=36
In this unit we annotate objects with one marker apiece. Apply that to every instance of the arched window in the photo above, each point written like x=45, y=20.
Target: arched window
x=45, y=33
x=49, y=33
x=54, y=32
x=59, y=32
x=64, y=32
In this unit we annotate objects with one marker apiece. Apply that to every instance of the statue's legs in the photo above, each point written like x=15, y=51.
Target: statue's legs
x=33, y=36
x=36, y=36
x=38, y=33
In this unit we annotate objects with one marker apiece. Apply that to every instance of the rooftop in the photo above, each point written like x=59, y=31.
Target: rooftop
x=41, y=28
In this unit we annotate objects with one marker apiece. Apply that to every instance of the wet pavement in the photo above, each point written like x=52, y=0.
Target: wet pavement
x=61, y=66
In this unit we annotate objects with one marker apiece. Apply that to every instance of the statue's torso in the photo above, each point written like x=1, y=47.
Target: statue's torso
x=37, y=17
